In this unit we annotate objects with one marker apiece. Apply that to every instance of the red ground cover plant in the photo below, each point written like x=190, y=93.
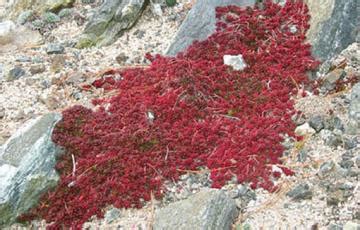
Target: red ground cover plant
x=185, y=112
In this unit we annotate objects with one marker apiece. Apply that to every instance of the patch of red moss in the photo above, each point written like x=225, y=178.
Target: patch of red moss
x=183, y=113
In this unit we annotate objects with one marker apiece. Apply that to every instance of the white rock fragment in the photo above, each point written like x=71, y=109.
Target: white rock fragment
x=293, y=29
x=150, y=116
x=304, y=129
x=156, y=9
x=6, y=31
x=236, y=61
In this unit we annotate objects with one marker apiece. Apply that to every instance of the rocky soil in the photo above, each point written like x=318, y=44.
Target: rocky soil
x=44, y=73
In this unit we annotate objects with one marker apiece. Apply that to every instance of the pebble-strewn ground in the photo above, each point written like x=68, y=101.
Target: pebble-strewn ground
x=56, y=82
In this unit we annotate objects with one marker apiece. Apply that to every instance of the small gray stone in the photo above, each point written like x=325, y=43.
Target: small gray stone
x=326, y=168
x=112, y=215
x=346, y=164
x=23, y=59
x=350, y=143
x=121, y=58
x=15, y=74
x=139, y=33
x=300, y=192
x=37, y=68
x=234, y=193
x=357, y=161
x=333, y=200
x=208, y=209
x=37, y=59
x=317, y=123
x=54, y=48
x=77, y=95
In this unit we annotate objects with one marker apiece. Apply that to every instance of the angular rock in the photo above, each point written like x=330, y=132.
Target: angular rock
x=200, y=23
x=326, y=168
x=110, y=21
x=27, y=163
x=37, y=68
x=334, y=26
x=317, y=123
x=112, y=215
x=121, y=58
x=208, y=209
x=15, y=74
x=55, y=48
x=300, y=192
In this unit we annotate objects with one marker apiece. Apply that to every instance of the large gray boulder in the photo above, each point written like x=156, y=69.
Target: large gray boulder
x=110, y=21
x=208, y=209
x=334, y=26
x=200, y=23
x=27, y=163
